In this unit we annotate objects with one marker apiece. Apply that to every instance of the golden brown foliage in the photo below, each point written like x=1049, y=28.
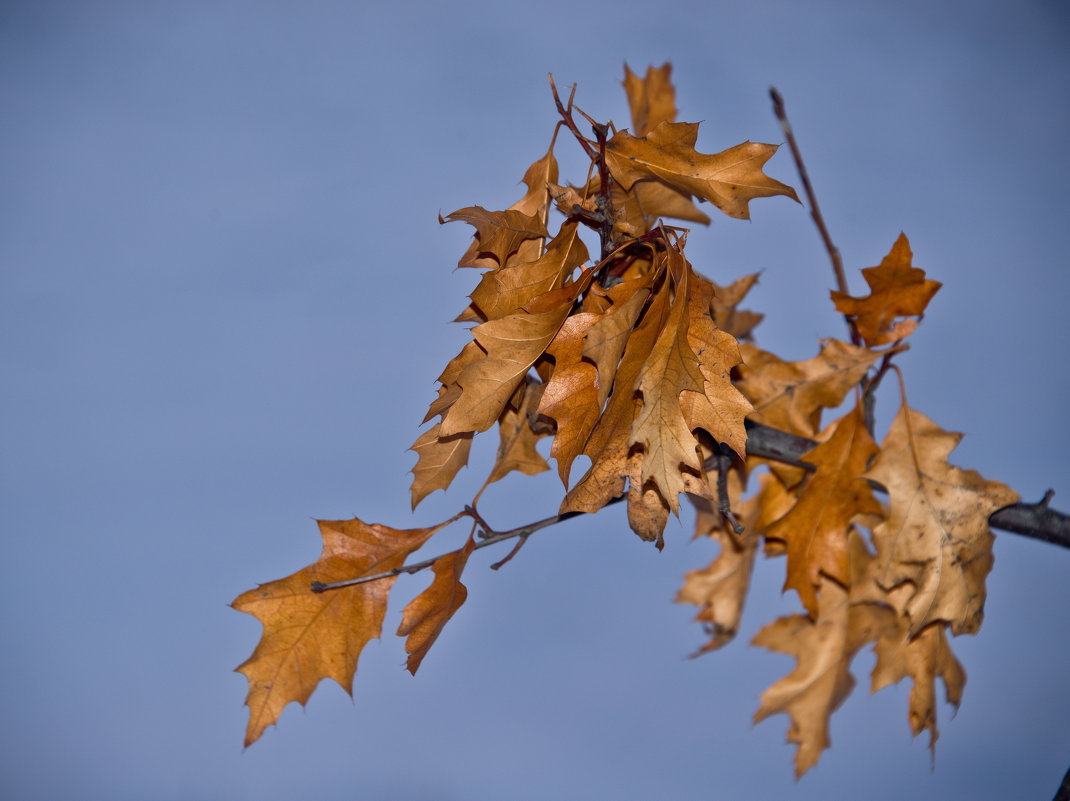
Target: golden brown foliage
x=634, y=359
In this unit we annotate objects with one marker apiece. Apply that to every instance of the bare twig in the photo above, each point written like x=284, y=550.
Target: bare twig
x=815, y=210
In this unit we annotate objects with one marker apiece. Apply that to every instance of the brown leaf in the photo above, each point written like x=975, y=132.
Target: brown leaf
x=607, y=338
x=815, y=529
x=311, y=636
x=660, y=428
x=719, y=408
x=429, y=612
x=720, y=589
x=652, y=99
x=790, y=395
x=737, y=322
x=503, y=292
x=571, y=396
x=936, y=536
x=821, y=681
x=923, y=658
x=517, y=438
x=729, y=179
x=439, y=460
x=499, y=233
x=512, y=345
x=896, y=290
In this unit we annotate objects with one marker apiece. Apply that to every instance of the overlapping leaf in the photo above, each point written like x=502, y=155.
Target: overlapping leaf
x=310, y=636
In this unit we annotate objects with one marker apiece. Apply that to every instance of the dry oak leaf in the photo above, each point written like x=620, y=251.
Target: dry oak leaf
x=719, y=408
x=499, y=233
x=512, y=346
x=729, y=180
x=936, y=535
x=816, y=528
x=504, y=291
x=720, y=589
x=821, y=680
x=607, y=445
x=790, y=395
x=517, y=438
x=311, y=636
x=439, y=458
x=660, y=427
x=571, y=396
x=896, y=290
x=429, y=612
x=638, y=209
x=652, y=99
x=534, y=203
x=739, y=323
x=923, y=658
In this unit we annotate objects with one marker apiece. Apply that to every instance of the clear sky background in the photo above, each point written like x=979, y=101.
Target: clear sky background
x=225, y=298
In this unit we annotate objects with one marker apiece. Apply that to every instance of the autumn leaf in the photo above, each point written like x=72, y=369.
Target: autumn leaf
x=500, y=233
x=517, y=437
x=571, y=396
x=652, y=99
x=896, y=290
x=791, y=395
x=503, y=292
x=923, y=659
x=512, y=344
x=936, y=535
x=729, y=180
x=823, y=648
x=311, y=636
x=815, y=529
x=429, y=612
x=739, y=323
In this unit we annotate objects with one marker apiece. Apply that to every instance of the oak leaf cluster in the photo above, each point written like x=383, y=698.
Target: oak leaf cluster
x=632, y=358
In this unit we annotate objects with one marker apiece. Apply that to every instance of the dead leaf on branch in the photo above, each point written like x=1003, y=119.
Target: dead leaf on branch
x=652, y=99
x=936, y=536
x=311, y=636
x=729, y=180
x=429, y=612
x=791, y=395
x=897, y=290
x=816, y=528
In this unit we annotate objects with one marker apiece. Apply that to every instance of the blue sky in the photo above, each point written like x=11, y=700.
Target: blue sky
x=225, y=301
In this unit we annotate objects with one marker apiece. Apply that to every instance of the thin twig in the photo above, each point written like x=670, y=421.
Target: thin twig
x=724, y=506
x=815, y=210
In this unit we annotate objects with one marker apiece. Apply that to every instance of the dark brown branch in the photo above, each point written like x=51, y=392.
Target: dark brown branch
x=815, y=210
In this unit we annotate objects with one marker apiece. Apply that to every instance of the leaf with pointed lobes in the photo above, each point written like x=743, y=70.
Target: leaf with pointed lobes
x=535, y=203
x=821, y=680
x=439, y=459
x=429, y=612
x=607, y=446
x=923, y=658
x=608, y=337
x=740, y=323
x=500, y=233
x=719, y=408
x=517, y=437
x=652, y=99
x=729, y=180
x=660, y=428
x=896, y=290
x=311, y=636
x=791, y=395
x=815, y=530
x=503, y=292
x=936, y=535
x=512, y=345
x=720, y=589
x=571, y=396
